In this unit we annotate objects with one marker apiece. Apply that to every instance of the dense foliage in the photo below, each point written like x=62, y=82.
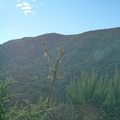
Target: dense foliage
x=4, y=97
x=96, y=97
x=24, y=111
x=90, y=98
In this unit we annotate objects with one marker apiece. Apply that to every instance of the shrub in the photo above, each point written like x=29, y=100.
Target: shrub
x=97, y=97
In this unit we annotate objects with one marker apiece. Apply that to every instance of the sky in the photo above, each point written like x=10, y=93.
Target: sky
x=30, y=18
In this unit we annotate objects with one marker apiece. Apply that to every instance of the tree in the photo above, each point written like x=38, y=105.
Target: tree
x=4, y=97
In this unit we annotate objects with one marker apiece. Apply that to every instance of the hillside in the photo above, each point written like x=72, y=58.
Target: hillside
x=98, y=49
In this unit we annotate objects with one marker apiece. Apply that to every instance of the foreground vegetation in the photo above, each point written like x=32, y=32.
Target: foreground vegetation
x=90, y=98
x=98, y=98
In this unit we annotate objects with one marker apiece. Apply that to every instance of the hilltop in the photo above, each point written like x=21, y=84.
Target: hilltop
x=99, y=49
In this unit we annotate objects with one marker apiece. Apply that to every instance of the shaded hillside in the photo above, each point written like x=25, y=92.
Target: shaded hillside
x=95, y=49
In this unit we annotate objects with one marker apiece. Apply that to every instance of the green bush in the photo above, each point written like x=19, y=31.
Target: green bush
x=24, y=111
x=98, y=97
x=29, y=111
x=4, y=97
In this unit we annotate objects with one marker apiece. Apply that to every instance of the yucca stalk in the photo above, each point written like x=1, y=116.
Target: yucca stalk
x=54, y=68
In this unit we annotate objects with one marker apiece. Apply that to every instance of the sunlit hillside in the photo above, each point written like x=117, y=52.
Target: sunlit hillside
x=98, y=49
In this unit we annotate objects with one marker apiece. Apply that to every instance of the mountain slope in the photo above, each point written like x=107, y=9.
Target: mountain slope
x=98, y=49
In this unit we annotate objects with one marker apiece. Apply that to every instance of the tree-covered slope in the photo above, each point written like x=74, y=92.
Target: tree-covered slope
x=98, y=49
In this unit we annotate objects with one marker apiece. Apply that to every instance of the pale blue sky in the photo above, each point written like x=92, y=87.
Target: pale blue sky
x=25, y=18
